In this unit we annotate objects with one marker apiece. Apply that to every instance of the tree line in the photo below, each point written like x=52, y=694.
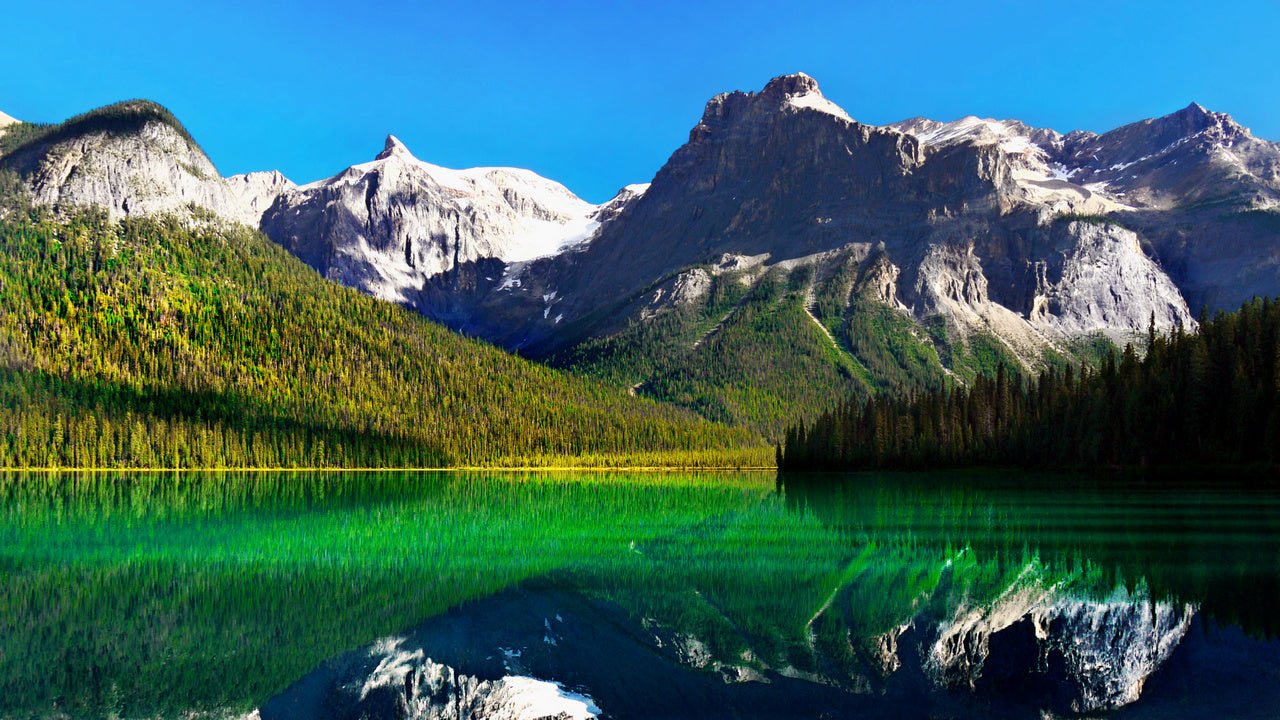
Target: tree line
x=1192, y=398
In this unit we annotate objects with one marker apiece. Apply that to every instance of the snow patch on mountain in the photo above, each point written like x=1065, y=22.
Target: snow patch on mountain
x=1034, y=156
x=389, y=225
x=815, y=101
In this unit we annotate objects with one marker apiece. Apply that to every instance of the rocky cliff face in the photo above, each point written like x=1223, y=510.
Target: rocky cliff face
x=969, y=213
x=134, y=158
x=1100, y=281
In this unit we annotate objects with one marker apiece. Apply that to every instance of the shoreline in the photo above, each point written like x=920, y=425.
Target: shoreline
x=478, y=468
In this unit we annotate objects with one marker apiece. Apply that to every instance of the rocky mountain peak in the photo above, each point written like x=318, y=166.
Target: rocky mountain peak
x=1196, y=118
x=793, y=84
x=394, y=147
x=6, y=120
x=785, y=94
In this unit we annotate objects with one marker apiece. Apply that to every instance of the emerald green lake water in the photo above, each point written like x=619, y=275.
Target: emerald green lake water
x=159, y=595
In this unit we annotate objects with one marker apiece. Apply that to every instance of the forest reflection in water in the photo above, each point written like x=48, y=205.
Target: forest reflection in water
x=139, y=594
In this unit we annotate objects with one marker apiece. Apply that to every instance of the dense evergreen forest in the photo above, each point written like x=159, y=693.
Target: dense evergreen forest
x=178, y=343
x=1203, y=398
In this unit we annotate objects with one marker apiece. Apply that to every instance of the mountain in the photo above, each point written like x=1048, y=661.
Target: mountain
x=785, y=240
x=991, y=225
x=390, y=225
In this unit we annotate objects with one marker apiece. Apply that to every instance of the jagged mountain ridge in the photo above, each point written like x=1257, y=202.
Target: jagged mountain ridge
x=1008, y=180
x=390, y=225
x=976, y=240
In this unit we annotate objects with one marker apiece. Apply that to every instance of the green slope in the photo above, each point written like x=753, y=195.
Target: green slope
x=749, y=355
x=764, y=351
x=161, y=343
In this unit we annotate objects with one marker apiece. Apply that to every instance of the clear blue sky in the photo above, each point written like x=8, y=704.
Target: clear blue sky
x=598, y=94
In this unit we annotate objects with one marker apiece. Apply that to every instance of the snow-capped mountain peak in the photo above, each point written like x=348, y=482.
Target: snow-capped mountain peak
x=393, y=146
x=391, y=224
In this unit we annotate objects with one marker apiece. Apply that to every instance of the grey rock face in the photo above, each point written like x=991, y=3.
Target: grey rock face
x=1104, y=282
x=970, y=214
x=152, y=168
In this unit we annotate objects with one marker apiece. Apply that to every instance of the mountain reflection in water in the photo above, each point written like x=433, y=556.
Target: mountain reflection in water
x=669, y=595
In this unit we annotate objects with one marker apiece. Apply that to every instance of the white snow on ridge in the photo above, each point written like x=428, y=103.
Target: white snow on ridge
x=530, y=698
x=1042, y=182
x=815, y=101
x=982, y=131
x=524, y=215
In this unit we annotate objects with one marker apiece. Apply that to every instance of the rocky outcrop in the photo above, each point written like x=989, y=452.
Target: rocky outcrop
x=1103, y=282
x=135, y=159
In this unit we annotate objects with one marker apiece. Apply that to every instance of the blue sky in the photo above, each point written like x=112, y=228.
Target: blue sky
x=596, y=94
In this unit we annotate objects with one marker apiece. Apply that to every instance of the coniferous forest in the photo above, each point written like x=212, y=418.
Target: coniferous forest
x=1202, y=398
x=165, y=343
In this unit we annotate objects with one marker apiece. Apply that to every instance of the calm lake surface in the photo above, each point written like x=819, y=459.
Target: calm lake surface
x=641, y=595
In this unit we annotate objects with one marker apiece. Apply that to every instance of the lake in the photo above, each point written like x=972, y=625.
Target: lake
x=637, y=595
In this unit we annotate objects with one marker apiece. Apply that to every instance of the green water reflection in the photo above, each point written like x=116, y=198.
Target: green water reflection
x=145, y=594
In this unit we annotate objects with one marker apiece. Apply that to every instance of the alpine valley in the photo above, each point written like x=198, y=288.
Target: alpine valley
x=784, y=240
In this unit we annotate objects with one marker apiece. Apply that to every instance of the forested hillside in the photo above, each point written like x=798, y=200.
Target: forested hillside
x=765, y=351
x=1192, y=398
x=155, y=342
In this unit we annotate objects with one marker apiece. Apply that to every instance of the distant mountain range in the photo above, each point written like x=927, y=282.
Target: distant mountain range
x=784, y=256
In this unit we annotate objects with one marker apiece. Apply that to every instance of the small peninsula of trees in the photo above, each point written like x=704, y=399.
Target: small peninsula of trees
x=1202, y=398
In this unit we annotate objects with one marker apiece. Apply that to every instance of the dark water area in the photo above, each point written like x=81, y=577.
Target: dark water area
x=634, y=595
x=1212, y=539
